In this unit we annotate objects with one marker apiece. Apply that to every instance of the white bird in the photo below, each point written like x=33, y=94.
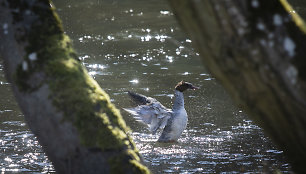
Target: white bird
x=152, y=112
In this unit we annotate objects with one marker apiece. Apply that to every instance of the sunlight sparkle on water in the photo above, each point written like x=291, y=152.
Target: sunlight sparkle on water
x=110, y=37
x=93, y=73
x=161, y=38
x=96, y=66
x=84, y=57
x=135, y=81
x=169, y=58
x=8, y=159
x=171, y=151
x=133, y=55
x=164, y=12
x=146, y=38
x=147, y=58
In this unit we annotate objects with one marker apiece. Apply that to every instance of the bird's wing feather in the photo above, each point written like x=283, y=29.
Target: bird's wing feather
x=155, y=115
x=140, y=99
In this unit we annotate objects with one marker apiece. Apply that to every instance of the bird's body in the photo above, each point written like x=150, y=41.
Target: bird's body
x=152, y=112
x=177, y=123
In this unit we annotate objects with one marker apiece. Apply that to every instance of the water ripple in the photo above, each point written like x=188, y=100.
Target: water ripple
x=26, y=154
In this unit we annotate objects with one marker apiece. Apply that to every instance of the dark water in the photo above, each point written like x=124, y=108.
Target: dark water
x=137, y=45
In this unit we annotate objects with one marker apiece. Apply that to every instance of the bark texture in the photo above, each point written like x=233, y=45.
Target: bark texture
x=78, y=127
x=256, y=49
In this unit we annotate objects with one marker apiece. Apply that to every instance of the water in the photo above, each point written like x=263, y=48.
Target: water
x=137, y=45
x=19, y=149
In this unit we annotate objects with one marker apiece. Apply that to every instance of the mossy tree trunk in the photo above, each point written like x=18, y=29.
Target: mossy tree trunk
x=78, y=127
x=256, y=49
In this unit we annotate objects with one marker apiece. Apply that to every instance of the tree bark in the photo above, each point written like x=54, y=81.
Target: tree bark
x=78, y=127
x=256, y=50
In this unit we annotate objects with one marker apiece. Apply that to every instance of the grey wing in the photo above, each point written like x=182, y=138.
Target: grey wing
x=155, y=115
x=140, y=99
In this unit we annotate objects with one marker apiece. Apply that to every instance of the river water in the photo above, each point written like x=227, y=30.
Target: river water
x=138, y=46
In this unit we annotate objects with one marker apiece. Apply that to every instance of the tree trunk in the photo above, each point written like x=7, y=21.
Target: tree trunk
x=78, y=127
x=256, y=49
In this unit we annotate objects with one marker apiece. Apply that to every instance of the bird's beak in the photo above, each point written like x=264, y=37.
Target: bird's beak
x=194, y=88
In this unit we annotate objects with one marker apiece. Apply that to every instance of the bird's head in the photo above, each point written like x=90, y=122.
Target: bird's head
x=182, y=86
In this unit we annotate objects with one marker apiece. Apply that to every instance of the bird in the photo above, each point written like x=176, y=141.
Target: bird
x=150, y=111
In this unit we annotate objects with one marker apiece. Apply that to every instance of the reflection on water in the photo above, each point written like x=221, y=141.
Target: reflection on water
x=19, y=149
x=137, y=45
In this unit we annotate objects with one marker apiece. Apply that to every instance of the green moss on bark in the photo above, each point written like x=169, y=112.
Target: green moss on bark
x=72, y=90
x=119, y=163
x=86, y=105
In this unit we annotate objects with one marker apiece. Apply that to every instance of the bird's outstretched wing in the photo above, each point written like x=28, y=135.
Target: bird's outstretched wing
x=149, y=111
x=140, y=99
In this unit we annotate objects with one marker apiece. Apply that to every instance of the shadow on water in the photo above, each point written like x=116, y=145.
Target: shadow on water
x=137, y=45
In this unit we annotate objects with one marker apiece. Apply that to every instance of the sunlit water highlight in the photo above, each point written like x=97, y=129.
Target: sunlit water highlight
x=19, y=149
x=138, y=46
x=214, y=150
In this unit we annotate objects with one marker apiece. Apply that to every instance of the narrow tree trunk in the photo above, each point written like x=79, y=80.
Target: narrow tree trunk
x=78, y=127
x=257, y=51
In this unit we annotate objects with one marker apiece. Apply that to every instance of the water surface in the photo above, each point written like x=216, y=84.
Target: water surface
x=138, y=46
